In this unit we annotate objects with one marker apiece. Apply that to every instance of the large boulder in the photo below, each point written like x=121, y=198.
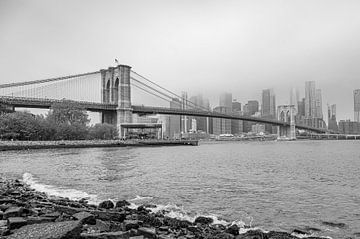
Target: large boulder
x=233, y=229
x=204, y=220
x=122, y=203
x=106, y=204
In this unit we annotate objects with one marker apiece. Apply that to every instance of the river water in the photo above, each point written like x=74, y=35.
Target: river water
x=269, y=185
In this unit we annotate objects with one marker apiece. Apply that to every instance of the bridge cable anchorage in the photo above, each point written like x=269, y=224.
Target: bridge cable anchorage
x=176, y=96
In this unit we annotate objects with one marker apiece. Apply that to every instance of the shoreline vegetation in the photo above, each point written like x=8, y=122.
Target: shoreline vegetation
x=26, y=213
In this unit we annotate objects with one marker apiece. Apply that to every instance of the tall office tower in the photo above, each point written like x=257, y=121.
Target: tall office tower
x=236, y=125
x=332, y=124
x=226, y=100
x=318, y=104
x=222, y=126
x=184, y=119
x=294, y=98
x=174, y=121
x=301, y=107
x=310, y=99
x=199, y=103
x=357, y=105
x=251, y=107
x=268, y=106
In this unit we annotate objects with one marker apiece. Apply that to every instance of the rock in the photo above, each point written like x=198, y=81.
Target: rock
x=298, y=231
x=1, y=215
x=100, y=226
x=106, y=235
x=106, y=204
x=233, y=229
x=204, y=220
x=16, y=222
x=143, y=209
x=13, y=212
x=109, y=216
x=256, y=234
x=147, y=232
x=53, y=230
x=131, y=224
x=122, y=203
x=334, y=224
x=225, y=235
x=137, y=237
x=3, y=223
x=281, y=235
x=53, y=215
x=85, y=218
x=37, y=220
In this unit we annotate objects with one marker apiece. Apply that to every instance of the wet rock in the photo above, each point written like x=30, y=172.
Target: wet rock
x=13, y=212
x=106, y=235
x=122, y=203
x=131, y=224
x=299, y=231
x=225, y=235
x=256, y=234
x=107, y=215
x=100, y=226
x=280, y=235
x=137, y=237
x=1, y=215
x=53, y=215
x=53, y=230
x=204, y=220
x=106, y=204
x=334, y=224
x=147, y=232
x=233, y=229
x=36, y=220
x=143, y=209
x=85, y=218
x=16, y=222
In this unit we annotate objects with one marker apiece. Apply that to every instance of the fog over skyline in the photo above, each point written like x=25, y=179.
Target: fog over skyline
x=206, y=47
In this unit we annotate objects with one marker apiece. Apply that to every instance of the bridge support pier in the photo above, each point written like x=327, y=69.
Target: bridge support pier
x=116, y=90
x=286, y=114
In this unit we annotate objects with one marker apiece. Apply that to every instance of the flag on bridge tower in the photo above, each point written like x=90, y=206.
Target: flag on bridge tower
x=116, y=61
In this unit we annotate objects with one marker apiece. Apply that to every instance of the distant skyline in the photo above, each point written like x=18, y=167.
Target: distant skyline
x=207, y=47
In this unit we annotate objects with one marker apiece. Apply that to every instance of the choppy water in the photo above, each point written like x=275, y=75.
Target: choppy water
x=271, y=185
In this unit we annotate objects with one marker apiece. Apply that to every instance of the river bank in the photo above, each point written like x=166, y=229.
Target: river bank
x=26, y=213
x=24, y=145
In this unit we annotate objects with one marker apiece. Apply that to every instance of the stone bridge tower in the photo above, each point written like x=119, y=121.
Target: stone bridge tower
x=286, y=113
x=115, y=89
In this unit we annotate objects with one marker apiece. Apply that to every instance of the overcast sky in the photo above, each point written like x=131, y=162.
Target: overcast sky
x=197, y=46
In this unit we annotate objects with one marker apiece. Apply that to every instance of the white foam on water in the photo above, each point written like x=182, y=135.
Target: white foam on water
x=138, y=198
x=50, y=190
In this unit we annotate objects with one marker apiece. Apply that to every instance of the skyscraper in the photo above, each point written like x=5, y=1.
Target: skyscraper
x=310, y=99
x=294, y=98
x=318, y=104
x=236, y=125
x=226, y=100
x=222, y=126
x=357, y=105
x=174, y=121
x=268, y=106
x=200, y=104
x=332, y=124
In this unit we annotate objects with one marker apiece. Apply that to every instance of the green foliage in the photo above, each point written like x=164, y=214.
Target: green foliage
x=65, y=121
x=68, y=112
x=103, y=131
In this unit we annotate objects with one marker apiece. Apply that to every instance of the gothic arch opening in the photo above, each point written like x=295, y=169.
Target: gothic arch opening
x=282, y=116
x=116, y=91
x=107, y=92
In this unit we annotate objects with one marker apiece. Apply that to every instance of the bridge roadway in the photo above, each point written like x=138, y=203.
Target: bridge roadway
x=142, y=110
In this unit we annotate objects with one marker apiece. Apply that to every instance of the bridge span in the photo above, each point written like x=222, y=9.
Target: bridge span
x=142, y=110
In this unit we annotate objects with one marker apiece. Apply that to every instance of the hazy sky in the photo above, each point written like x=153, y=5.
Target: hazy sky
x=197, y=46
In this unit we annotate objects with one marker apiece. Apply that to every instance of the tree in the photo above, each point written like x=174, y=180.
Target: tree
x=103, y=131
x=22, y=126
x=69, y=120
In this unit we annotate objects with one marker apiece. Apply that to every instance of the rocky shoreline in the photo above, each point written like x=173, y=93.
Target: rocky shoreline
x=26, y=213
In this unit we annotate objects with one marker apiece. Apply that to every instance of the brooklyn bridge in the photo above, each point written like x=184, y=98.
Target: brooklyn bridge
x=114, y=87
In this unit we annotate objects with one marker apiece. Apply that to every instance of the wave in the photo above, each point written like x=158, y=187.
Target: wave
x=170, y=210
x=50, y=190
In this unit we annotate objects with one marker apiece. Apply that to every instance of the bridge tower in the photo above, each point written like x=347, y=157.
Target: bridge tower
x=115, y=89
x=286, y=113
